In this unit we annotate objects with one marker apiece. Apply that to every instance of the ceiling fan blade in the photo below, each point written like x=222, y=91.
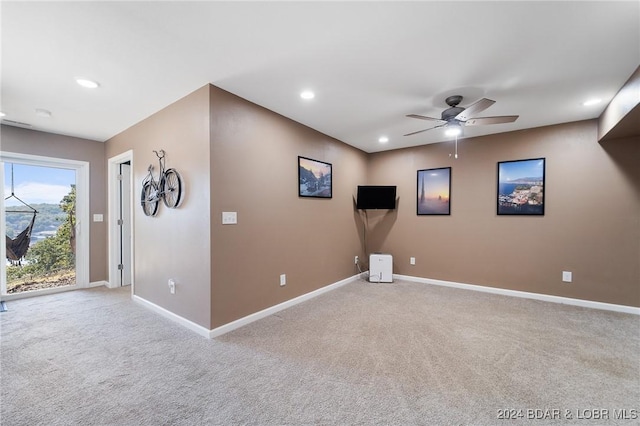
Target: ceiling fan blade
x=474, y=108
x=419, y=131
x=422, y=117
x=430, y=128
x=491, y=120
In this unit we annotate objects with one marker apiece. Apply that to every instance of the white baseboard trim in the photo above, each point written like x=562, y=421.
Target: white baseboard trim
x=524, y=294
x=203, y=331
x=98, y=284
x=219, y=331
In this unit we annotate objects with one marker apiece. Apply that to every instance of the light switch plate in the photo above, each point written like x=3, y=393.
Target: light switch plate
x=567, y=276
x=229, y=218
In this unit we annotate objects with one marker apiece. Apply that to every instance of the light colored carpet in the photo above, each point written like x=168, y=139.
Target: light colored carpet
x=364, y=354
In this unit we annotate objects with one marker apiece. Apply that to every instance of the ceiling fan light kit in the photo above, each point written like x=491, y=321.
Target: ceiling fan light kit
x=453, y=129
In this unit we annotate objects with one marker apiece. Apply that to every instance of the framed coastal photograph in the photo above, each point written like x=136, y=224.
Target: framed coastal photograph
x=434, y=191
x=521, y=187
x=314, y=178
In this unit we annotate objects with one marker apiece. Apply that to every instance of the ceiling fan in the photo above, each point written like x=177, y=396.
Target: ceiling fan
x=456, y=116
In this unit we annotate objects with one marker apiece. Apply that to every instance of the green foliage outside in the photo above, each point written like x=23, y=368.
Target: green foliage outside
x=53, y=254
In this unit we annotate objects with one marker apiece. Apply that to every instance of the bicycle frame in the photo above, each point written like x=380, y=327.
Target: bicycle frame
x=158, y=185
x=167, y=187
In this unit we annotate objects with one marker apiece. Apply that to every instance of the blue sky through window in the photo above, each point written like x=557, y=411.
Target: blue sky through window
x=37, y=184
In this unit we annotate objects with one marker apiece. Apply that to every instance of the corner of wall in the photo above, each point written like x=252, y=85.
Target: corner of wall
x=172, y=245
x=621, y=117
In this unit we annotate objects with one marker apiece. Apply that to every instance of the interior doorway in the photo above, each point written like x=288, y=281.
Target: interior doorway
x=44, y=215
x=124, y=224
x=121, y=229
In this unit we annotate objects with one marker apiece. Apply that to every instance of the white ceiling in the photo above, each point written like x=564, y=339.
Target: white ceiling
x=369, y=63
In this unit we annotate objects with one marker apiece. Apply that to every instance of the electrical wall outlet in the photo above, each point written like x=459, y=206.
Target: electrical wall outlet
x=229, y=218
x=412, y=260
x=283, y=280
x=172, y=286
x=355, y=260
x=567, y=276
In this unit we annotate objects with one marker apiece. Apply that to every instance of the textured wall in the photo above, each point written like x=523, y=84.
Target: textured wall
x=254, y=172
x=591, y=224
x=25, y=141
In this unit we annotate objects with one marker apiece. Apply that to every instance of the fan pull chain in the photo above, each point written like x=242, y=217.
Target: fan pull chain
x=456, y=156
x=456, y=148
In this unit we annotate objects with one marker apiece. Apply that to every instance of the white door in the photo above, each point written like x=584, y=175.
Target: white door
x=124, y=222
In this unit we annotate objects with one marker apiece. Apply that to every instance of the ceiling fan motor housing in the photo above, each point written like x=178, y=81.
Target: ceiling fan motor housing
x=450, y=113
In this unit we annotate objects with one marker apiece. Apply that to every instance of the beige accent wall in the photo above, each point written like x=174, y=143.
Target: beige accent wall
x=175, y=244
x=254, y=172
x=237, y=156
x=31, y=142
x=591, y=225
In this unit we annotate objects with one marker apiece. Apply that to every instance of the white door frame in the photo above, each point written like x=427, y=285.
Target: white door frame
x=114, y=205
x=82, y=219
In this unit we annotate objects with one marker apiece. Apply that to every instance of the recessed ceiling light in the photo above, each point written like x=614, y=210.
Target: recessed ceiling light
x=593, y=101
x=307, y=94
x=383, y=139
x=89, y=84
x=43, y=113
x=2, y=114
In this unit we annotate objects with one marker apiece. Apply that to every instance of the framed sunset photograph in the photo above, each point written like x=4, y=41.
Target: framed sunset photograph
x=521, y=187
x=314, y=178
x=434, y=191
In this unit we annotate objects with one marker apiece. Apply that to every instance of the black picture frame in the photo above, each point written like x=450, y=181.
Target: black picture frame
x=433, y=192
x=315, y=178
x=520, y=187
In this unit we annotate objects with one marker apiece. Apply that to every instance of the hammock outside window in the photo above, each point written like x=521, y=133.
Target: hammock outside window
x=17, y=247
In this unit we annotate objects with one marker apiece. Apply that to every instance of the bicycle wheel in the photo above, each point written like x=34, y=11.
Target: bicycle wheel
x=172, y=188
x=149, y=198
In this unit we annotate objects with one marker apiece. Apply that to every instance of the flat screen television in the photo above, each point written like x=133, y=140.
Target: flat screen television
x=372, y=197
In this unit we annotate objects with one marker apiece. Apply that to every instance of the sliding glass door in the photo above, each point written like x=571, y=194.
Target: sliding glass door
x=44, y=216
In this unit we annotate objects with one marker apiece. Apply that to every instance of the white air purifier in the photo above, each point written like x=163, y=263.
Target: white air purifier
x=380, y=268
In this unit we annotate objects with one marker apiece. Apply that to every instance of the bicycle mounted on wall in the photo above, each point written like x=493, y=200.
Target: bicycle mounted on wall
x=168, y=187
